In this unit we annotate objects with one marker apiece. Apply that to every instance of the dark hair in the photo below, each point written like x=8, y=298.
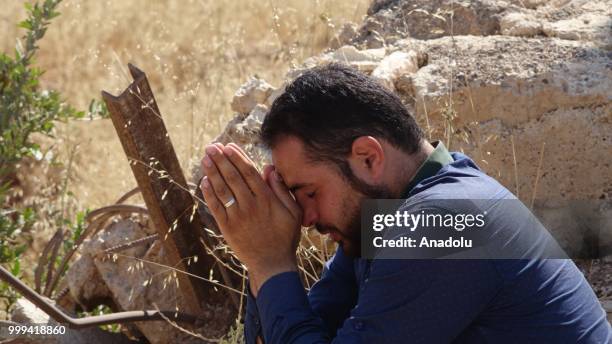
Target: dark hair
x=328, y=107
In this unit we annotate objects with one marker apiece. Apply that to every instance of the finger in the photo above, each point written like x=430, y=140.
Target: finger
x=218, y=144
x=218, y=185
x=241, y=151
x=230, y=175
x=282, y=192
x=266, y=173
x=214, y=205
x=247, y=170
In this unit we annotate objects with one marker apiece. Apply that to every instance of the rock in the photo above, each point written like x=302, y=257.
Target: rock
x=277, y=92
x=527, y=91
x=85, y=283
x=580, y=226
x=530, y=76
x=520, y=24
x=391, y=20
x=587, y=27
x=345, y=35
x=431, y=19
x=349, y=54
x=254, y=91
x=124, y=283
x=533, y=4
x=245, y=135
x=137, y=286
x=395, y=65
x=370, y=32
x=234, y=132
x=131, y=282
x=364, y=60
x=255, y=118
x=242, y=130
x=26, y=312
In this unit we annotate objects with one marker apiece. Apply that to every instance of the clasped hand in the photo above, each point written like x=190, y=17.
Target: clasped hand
x=256, y=214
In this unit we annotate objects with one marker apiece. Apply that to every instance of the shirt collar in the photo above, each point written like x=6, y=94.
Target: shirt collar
x=434, y=162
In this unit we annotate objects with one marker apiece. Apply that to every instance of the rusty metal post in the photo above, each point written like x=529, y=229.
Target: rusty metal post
x=77, y=323
x=147, y=145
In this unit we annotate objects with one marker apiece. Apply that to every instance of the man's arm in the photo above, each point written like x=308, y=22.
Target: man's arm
x=417, y=301
x=252, y=324
x=335, y=294
x=331, y=298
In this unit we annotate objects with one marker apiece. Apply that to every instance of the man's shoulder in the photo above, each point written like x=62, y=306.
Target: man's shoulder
x=460, y=179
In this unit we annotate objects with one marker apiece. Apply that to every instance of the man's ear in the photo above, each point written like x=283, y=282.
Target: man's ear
x=367, y=159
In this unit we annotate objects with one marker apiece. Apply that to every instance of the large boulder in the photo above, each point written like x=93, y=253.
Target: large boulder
x=251, y=93
x=391, y=20
x=136, y=278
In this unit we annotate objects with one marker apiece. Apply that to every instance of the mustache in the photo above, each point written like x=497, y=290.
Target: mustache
x=325, y=229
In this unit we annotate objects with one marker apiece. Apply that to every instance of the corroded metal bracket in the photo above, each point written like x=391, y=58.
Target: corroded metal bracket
x=171, y=206
x=78, y=323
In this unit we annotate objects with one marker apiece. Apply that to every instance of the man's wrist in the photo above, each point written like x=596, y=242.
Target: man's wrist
x=257, y=277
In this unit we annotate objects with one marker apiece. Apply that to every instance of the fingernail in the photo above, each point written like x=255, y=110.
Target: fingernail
x=228, y=151
x=205, y=183
x=207, y=161
x=211, y=150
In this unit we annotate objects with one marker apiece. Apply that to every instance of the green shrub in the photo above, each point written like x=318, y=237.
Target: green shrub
x=25, y=109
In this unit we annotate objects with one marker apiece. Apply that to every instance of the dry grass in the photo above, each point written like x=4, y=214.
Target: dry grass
x=195, y=53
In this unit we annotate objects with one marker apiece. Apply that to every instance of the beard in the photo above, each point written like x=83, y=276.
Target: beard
x=350, y=209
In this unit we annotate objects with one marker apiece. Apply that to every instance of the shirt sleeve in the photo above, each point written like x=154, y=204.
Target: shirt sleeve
x=331, y=298
x=252, y=324
x=335, y=294
x=419, y=301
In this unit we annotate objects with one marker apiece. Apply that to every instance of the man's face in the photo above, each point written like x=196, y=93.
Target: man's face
x=328, y=201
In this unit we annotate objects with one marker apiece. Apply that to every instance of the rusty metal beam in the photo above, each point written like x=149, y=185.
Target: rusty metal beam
x=77, y=323
x=147, y=145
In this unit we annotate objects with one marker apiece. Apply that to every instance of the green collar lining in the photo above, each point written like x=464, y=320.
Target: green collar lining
x=434, y=162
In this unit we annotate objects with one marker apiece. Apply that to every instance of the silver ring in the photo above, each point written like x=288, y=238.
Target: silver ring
x=229, y=203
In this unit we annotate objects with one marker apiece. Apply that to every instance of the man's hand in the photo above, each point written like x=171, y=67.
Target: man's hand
x=262, y=224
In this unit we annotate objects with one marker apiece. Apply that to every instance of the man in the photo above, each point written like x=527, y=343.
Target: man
x=338, y=137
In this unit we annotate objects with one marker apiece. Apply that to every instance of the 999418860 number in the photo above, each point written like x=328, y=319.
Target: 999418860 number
x=31, y=330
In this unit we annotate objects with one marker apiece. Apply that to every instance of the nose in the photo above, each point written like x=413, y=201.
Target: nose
x=310, y=216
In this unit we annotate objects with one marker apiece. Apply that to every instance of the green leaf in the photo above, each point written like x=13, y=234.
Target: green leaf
x=35, y=153
x=28, y=214
x=16, y=268
x=26, y=24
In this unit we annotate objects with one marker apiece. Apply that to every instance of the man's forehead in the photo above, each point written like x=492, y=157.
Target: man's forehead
x=290, y=160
